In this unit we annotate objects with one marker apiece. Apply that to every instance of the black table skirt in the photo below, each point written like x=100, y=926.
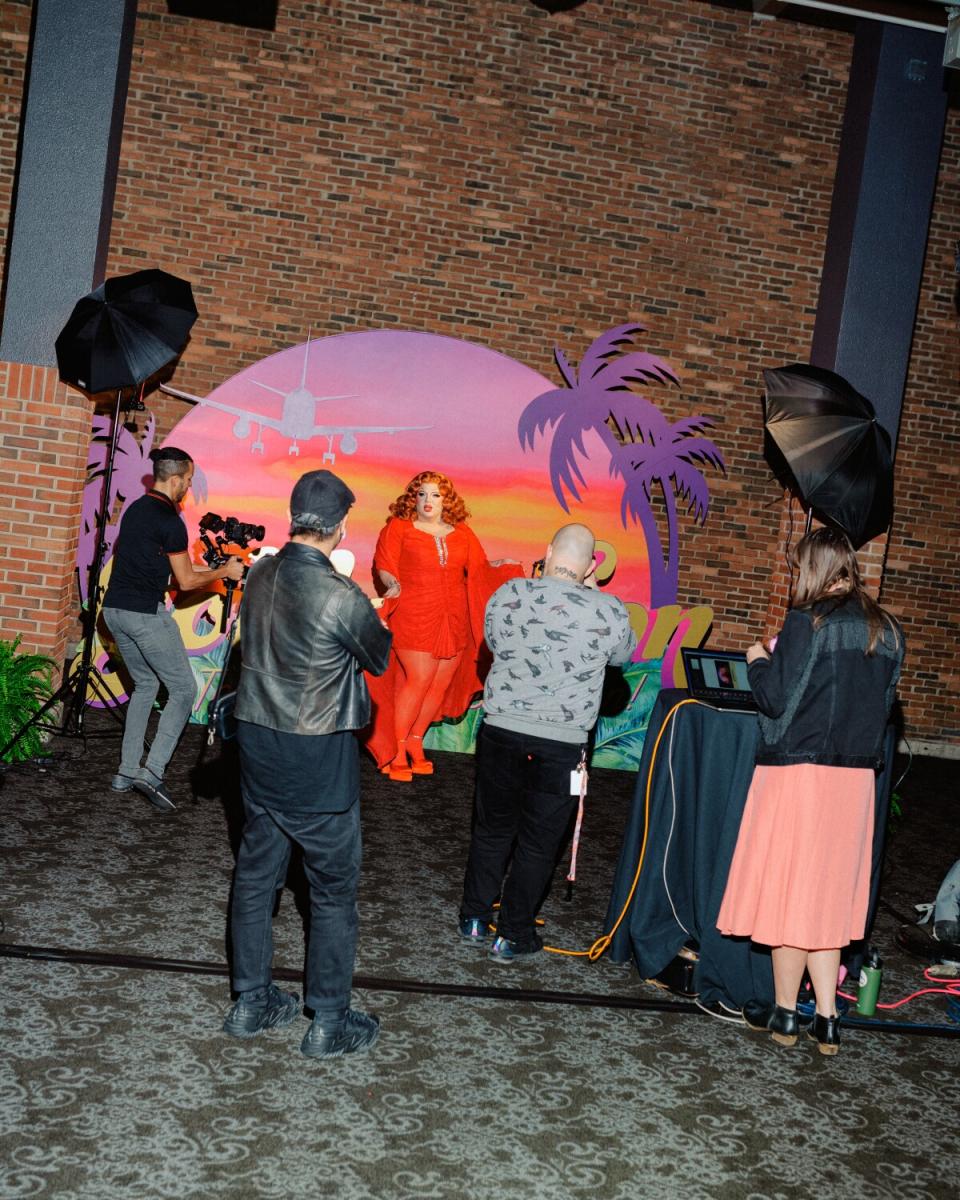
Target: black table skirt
x=689, y=850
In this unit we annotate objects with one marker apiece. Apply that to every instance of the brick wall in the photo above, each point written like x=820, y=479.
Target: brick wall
x=44, y=435
x=485, y=170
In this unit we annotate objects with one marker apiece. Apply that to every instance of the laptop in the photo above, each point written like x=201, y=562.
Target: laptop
x=718, y=677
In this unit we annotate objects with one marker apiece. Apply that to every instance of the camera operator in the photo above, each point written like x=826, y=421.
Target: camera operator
x=151, y=544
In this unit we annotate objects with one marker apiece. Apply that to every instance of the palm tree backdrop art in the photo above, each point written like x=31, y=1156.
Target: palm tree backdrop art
x=649, y=453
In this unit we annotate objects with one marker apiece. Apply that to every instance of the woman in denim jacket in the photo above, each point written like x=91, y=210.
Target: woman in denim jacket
x=800, y=876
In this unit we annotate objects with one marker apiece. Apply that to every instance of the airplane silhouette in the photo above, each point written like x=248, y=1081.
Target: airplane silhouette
x=297, y=419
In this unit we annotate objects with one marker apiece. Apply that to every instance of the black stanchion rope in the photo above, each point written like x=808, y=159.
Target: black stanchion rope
x=375, y=983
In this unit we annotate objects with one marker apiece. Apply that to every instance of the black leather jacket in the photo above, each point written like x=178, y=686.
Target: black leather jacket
x=308, y=634
x=821, y=698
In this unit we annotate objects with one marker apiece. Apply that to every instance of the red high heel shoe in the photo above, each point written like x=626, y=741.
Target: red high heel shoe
x=398, y=769
x=419, y=765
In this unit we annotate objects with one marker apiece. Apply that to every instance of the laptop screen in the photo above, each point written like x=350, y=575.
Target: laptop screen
x=718, y=676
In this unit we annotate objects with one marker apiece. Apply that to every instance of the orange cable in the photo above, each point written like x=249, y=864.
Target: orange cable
x=602, y=944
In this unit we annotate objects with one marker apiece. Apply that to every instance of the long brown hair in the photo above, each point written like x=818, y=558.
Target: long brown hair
x=454, y=510
x=825, y=558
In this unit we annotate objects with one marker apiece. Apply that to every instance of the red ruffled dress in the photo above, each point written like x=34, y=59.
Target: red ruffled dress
x=445, y=585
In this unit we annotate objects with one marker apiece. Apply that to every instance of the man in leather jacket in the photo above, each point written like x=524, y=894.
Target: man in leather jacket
x=308, y=636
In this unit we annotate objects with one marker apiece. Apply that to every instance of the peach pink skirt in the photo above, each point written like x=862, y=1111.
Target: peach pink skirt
x=800, y=874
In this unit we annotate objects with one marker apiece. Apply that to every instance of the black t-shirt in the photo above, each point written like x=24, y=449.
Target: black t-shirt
x=299, y=772
x=150, y=531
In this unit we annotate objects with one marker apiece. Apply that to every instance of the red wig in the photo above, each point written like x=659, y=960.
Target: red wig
x=454, y=509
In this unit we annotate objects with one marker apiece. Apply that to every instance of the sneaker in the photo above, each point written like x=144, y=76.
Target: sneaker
x=122, y=783
x=270, y=1010
x=474, y=929
x=716, y=1008
x=155, y=791
x=355, y=1031
x=505, y=951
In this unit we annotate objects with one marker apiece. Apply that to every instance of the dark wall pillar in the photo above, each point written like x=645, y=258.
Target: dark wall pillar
x=883, y=195
x=71, y=127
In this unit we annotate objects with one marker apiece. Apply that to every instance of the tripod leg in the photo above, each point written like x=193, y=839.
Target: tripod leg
x=72, y=718
x=83, y=680
x=98, y=685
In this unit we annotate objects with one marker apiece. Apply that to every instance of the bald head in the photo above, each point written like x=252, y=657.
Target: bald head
x=570, y=553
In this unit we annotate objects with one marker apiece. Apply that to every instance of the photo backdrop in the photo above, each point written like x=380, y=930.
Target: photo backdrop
x=377, y=407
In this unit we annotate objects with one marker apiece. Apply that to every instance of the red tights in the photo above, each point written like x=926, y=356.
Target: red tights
x=418, y=697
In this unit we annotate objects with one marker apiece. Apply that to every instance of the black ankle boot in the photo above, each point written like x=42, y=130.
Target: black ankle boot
x=825, y=1031
x=781, y=1023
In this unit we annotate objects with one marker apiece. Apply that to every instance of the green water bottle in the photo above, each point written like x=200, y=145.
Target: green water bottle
x=871, y=973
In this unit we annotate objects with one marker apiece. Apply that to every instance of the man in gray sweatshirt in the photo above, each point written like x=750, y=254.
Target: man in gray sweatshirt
x=551, y=640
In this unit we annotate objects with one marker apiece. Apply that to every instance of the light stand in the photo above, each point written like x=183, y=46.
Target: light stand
x=84, y=677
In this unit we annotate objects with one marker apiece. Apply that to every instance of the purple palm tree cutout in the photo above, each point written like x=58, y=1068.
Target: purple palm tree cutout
x=665, y=457
x=604, y=378
x=645, y=449
x=126, y=485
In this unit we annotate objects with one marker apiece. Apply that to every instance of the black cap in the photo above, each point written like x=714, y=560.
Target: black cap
x=320, y=500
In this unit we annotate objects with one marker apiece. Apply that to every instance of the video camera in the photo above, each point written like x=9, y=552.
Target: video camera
x=228, y=532
x=231, y=538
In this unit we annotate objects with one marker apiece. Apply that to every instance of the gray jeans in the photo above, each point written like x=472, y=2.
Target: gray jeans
x=153, y=653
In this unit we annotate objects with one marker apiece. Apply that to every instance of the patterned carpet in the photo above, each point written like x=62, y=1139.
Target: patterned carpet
x=118, y=1083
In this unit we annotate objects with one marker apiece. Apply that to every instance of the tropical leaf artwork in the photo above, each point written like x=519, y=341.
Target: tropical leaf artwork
x=26, y=684
x=618, y=742
x=131, y=464
x=653, y=458
x=459, y=736
x=206, y=669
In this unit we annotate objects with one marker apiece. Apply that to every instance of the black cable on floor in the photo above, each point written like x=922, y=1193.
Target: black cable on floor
x=371, y=983
x=375, y=983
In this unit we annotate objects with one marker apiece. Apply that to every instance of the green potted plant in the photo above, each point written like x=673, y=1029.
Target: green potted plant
x=26, y=683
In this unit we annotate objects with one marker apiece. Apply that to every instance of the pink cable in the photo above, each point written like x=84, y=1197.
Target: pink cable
x=951, y=989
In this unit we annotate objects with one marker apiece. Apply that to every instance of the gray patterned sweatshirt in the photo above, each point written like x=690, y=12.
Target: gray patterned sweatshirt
x=551, y=641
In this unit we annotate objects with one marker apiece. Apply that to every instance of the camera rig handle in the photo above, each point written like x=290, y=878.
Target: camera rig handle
x=231, y=539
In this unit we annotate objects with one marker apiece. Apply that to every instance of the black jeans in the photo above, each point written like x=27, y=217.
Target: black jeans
x=523, y=804
x=331, y=860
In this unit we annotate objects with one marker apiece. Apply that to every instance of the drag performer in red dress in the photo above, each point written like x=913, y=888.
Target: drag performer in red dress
x=437, y=581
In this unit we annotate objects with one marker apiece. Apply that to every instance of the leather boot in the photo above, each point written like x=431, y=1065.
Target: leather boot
x=825, y=1031
x=781, y=1023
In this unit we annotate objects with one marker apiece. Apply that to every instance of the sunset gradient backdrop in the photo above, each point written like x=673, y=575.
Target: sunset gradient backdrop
x=469, y=396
